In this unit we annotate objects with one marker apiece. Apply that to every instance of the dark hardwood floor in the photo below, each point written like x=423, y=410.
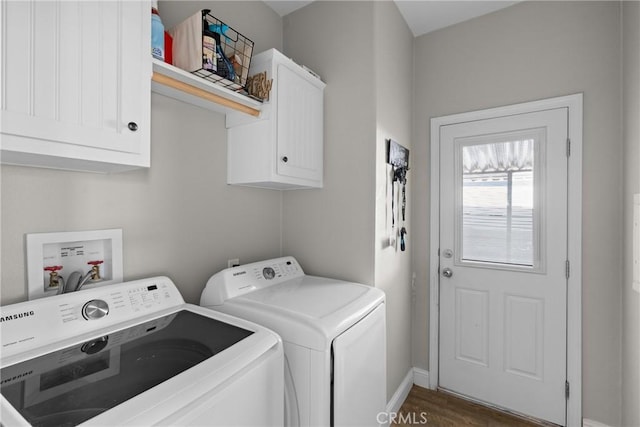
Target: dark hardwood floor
x=438, y=408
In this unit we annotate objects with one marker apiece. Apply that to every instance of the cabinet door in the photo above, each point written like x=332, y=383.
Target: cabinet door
x=299, y=127
x=76, y=81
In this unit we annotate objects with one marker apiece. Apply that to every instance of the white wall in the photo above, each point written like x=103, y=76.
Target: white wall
x=529, y=51
x=179, y=218
x=631, y=133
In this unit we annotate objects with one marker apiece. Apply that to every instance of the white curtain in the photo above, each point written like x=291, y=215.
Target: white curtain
x=498, y=157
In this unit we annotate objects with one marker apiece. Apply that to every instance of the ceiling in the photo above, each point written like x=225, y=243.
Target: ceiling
x=422, y=16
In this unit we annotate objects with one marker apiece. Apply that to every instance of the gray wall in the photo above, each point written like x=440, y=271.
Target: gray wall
x=330, y=230
x=631, y=129
x=530, y=51
x=333, y=231
x=393, y=71
x=179, y=218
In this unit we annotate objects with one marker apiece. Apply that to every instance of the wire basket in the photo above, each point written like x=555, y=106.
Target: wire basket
x=223, y=56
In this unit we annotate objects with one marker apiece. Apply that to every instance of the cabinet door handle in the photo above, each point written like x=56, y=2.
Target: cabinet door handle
x=133, y=126
x=285, y=159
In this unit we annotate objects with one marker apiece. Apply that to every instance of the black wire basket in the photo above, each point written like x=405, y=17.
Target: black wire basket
x=226, y=53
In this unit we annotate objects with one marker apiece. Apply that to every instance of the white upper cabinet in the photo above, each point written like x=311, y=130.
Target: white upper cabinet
x=283, y=149
x=75, y=84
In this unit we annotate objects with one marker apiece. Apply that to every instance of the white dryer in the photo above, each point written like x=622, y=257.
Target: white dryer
x=135, y=354
x=334, y=338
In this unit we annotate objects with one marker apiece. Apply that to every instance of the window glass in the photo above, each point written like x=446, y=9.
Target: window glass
x=497, y=215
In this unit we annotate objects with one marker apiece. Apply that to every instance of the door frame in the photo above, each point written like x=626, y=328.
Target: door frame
x=573, y=103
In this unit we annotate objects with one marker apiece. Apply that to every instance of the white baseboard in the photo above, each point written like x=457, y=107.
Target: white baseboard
x=591, y=423
x=417, y=376
x=401, y=393
x=421, y=377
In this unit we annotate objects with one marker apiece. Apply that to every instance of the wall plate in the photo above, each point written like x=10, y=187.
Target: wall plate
x=73, y=251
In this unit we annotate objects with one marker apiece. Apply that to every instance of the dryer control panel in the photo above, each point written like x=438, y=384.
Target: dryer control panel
x=237, y=281
x=283, y=270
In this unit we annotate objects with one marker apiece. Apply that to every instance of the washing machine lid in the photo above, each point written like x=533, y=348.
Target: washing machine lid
x=76, y=383
x=309, y=310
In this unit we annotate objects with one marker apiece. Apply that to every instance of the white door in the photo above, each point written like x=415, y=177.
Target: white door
x=503, y=258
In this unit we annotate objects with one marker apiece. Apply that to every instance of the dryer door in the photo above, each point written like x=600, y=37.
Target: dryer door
x=360, y=372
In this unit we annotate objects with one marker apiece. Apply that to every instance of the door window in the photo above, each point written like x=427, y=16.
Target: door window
x=499, y=192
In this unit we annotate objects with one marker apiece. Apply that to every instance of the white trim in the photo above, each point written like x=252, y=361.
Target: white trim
x=591, y=423
x=401, y=393
x=417, y=376
x=421, y=377
x=574, y=253
x=574, y=284
x=434, y=261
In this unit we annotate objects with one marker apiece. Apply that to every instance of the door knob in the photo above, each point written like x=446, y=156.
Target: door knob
x=447, y=272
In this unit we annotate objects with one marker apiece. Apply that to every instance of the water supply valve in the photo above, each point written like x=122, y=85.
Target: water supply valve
x=95, y=269
x=54, y=277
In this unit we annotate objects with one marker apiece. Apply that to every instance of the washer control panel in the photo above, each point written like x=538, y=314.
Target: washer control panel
x=34, y=323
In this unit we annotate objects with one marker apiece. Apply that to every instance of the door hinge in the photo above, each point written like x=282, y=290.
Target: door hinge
x=567, y=389
x=568, y=147
x=567, y=269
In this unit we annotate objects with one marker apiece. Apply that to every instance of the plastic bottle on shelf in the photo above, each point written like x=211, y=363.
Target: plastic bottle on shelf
x=157, y=33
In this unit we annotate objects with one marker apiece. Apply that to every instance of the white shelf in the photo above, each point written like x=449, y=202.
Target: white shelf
x=184, y=86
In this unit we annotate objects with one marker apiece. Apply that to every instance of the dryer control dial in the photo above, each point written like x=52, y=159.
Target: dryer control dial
x=268, y=273
x=95, y=309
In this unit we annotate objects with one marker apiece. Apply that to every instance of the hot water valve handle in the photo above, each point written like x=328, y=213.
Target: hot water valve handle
x=54, y=277
x=95, y=269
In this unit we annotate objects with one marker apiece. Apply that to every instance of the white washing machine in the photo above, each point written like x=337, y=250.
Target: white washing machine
x=333, y=333
x=135, y=354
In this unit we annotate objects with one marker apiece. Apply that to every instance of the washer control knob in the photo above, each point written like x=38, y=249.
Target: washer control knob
x=268, y=273
x=95, y=309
